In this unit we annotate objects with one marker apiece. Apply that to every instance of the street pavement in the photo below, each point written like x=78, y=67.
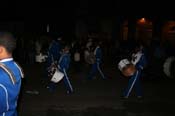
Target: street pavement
x=97, y=97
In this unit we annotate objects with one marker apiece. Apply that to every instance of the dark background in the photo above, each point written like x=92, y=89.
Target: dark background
x=66, y=11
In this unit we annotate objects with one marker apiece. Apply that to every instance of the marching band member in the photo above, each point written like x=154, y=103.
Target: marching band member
x=96, y=65
x=64, y=63
x=139, y=61
x=63, y=66
x=54, y=53
x=10, y=76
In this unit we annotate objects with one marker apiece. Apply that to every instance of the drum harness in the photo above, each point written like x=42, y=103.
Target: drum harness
x=10, y=73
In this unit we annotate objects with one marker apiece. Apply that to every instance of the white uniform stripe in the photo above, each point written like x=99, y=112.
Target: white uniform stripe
x=61, y=58
x=68, y=80
x=20, y=69
x=132, y=84
x=98, y=66
x=6, y=60
x=6, y=93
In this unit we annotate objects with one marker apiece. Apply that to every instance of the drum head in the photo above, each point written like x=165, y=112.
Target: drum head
x=129, y=70
x=168, y=67
x=58, y=76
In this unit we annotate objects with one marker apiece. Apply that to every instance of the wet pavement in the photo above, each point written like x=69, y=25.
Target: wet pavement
x=96, y=97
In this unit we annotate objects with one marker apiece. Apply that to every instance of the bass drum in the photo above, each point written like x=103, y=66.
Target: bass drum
x=126, y=67
x=129, y=70
x=169, y=67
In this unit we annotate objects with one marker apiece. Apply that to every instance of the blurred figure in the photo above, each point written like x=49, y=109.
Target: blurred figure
x=63, y=66
x=86, y=55
x=96, y=64
x=76, y=55
x=54, y=53
x=89, y=43
x=139, y=60
x=77, y=62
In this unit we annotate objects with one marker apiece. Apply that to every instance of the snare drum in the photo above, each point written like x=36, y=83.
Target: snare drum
x=54, y=73
x=126, y=67
x=57, y=76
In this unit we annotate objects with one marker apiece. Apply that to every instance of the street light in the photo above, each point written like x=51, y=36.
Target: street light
x=142, y=20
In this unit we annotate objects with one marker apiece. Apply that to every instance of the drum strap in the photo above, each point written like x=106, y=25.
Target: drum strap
x=10, y=73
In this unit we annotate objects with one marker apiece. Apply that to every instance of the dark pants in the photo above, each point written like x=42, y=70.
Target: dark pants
x=94, y=69
x=134, y=82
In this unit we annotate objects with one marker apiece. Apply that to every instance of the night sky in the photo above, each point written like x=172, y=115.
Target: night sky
x=63, y=14
x=61, y=10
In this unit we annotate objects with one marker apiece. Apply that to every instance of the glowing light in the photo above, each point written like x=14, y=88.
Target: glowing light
x=142, y=20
